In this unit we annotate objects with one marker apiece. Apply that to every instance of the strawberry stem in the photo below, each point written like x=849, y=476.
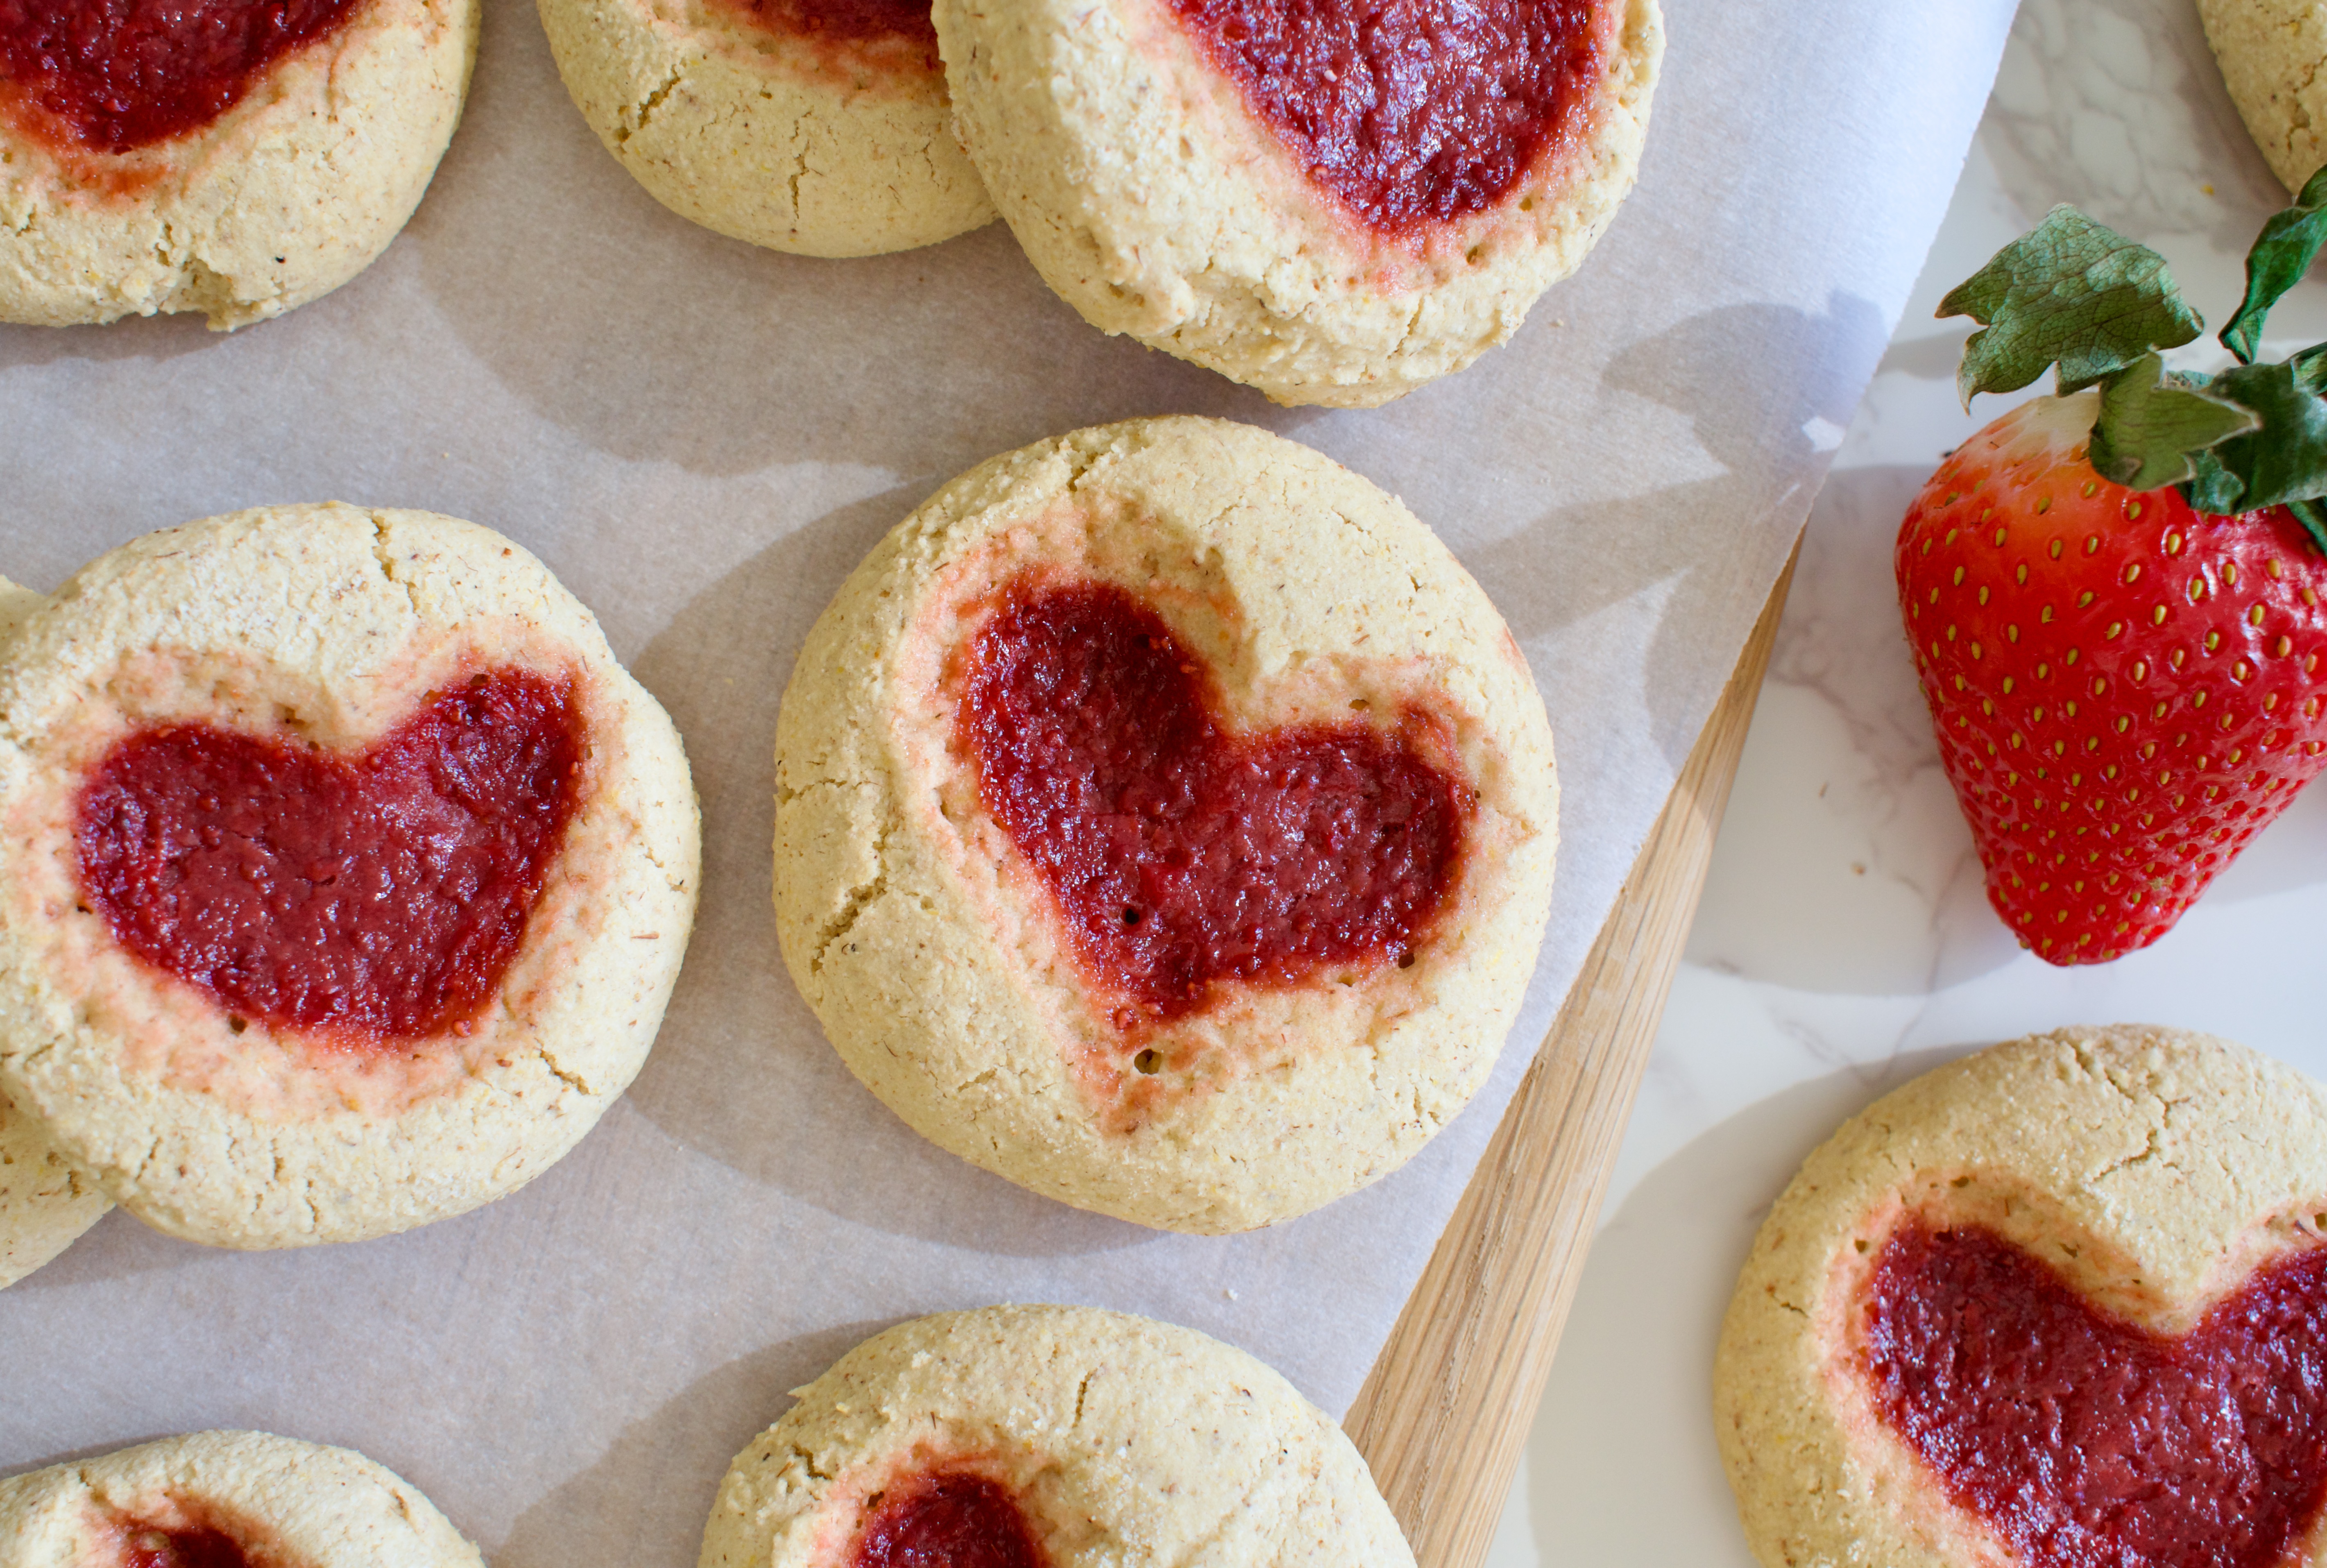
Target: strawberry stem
x=2078, y=296
x=2281, y=254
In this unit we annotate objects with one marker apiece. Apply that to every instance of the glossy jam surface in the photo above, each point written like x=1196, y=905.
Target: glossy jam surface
x=372, y=896
x=2084, y=1439
x=121, y=74
x=947, y=1520
x=148, y=1546
x=1182, y=854
x=1408, y=112
x=842, y=21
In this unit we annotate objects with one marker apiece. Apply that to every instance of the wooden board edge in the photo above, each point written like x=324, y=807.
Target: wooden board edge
x=1445, y=1411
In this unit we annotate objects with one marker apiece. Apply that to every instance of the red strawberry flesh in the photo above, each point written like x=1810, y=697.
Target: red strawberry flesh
x=2125, y=690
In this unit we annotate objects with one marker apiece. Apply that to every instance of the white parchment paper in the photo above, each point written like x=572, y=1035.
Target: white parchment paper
x=702, y=439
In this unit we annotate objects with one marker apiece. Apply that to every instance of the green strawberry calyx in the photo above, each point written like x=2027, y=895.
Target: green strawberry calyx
x=2082, y=299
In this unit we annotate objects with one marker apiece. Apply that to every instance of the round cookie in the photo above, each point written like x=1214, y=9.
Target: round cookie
x=239, y=194
x=1334, y=204
x=1260, y=931
x=2270, y=52
x=1050, y=1437
x=224, y=1499
x=346, y=873
x=819, y=126
x=1986, y=1319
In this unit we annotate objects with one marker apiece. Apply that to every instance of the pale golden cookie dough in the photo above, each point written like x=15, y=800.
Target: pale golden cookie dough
x=839, y=151
x=331, y=624
x=281, y=200
x=45, y=1203
x=1154, y=202
x=938, y=965
x=2271, y=54
x=285, y=1503
x=2153, y=1168
x=1127, y=1444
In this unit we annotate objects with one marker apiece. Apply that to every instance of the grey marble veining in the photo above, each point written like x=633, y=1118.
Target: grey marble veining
x=1845, y=942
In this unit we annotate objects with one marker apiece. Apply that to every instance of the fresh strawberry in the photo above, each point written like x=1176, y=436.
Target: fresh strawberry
x=2126, y=687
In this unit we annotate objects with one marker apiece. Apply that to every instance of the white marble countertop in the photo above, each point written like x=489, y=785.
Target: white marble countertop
x=1845, y=942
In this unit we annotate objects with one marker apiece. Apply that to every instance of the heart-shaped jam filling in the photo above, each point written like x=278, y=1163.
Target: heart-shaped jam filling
x=123, y=74
x=151, y=1546
x=2086, y=1441
x=1179, y=854
x=369, y=897
x=835, y=26
x=1408, y=112
x=947, y=1520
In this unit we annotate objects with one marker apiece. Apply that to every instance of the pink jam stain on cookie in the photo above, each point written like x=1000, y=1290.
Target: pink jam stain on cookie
x=866, y=33
x=151, y=1546
x=364, y=898
x=1182, y=854
x=2086, y=1441
x=950, y=1519
x=116, y=75
x=1409, y=112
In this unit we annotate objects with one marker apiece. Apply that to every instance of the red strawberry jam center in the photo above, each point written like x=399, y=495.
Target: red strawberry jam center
x=1182, y=854
x=2086, y=1441
x=122, y=74
x=947, y=1520
x=1408, y=112
x=836, y=24
x=372, y=897
x=150, y=1546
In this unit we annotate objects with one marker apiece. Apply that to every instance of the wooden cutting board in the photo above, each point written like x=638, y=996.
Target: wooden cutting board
x=1444, y=1415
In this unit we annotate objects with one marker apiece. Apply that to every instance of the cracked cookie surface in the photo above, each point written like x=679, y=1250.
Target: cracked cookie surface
x=773, y=122
x=962, y=984
x=225, y=1499
x=317, y=630
x=1113, y=1440
x=1153, y=194
x=2152, y=1172
x=289, y=194
x=2272, y=52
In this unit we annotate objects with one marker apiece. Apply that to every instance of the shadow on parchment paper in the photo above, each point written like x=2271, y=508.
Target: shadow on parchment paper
x=653, y=339
x=119, y=1246
x=647, y=1497
x=1622, y=1455
x=1578, y=560
x=134, y=338
x=742, y=1072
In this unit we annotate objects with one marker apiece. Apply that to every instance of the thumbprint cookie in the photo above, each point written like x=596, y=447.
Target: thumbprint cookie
x=346, y=873
x=1165, y=822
